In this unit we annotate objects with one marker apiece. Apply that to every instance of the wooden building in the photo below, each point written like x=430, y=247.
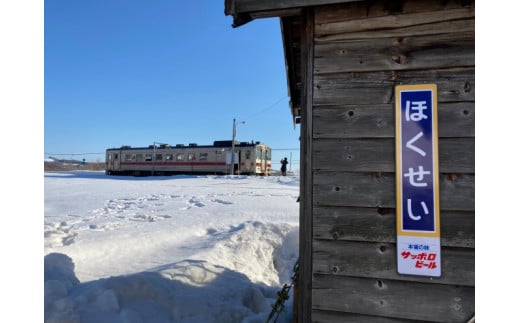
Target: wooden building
x=344, y=60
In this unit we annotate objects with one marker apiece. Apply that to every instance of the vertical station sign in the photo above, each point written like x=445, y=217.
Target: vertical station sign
x=417, y=180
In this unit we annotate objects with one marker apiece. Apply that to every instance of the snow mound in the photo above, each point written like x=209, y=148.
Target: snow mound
x=263, y=252
x=213, y=288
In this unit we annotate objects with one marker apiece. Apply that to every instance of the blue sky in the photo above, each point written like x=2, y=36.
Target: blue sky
x=134, y=72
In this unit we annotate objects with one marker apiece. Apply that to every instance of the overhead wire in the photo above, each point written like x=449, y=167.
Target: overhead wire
x=267, y=108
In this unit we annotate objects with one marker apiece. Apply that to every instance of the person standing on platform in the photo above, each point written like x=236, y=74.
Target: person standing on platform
x=284, y=163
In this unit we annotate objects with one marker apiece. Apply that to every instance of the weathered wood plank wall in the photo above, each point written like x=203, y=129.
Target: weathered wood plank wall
x=361, y=52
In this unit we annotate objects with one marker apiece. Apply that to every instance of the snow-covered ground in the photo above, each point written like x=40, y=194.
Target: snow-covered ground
x=167, y=249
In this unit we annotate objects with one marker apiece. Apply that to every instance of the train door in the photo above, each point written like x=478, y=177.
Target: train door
x=263, y=162
x=268, y=156
x=113, y=160
x=249, y=163
x=117, y=160
x=237, y=165
x=266, y=165
x=262, y=155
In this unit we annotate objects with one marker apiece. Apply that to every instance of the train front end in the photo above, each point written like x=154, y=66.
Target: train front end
x=263, y=160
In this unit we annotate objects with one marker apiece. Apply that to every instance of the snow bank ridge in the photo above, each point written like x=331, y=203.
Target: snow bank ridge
x=212, y=288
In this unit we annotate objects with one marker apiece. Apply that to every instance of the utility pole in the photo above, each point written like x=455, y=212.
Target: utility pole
x=233, y=145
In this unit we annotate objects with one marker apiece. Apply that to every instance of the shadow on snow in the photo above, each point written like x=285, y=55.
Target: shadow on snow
x=187, y=291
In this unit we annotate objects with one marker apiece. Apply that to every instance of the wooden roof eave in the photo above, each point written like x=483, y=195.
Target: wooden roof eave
x=239, y=9
x=292, y=55
x=240, y=19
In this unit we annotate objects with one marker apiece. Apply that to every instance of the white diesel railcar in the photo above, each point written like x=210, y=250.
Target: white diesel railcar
x=251, y=158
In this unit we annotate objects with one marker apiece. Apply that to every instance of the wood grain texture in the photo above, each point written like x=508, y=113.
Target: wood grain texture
x=377, y=121
x=389, y=54
x=394, y=299
x=456, y=155
x=379, y=225
x=361, y=51
x=457, y=192
x=323, y=316
x=359, y=89
x=379, y=260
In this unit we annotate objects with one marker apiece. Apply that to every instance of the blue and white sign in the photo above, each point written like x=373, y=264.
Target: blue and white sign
x=417, y=205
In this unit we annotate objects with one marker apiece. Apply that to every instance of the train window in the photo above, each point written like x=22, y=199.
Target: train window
x=148, y=157
x=109, y=156
x=169, y=157
x=139, y=157
x=180, y=156
x=192, y=156
x=158, y=157
x=129, y=157
x=115, y=156
x=203, y=156
x=248, y=154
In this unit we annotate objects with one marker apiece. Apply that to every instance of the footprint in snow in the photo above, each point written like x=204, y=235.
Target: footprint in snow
x=222, y=201
x=196, y=203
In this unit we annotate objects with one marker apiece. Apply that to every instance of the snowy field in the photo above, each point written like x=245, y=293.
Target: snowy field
x=167, y=249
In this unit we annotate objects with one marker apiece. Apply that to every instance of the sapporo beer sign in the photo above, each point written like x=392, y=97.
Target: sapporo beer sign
x=417, y=173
